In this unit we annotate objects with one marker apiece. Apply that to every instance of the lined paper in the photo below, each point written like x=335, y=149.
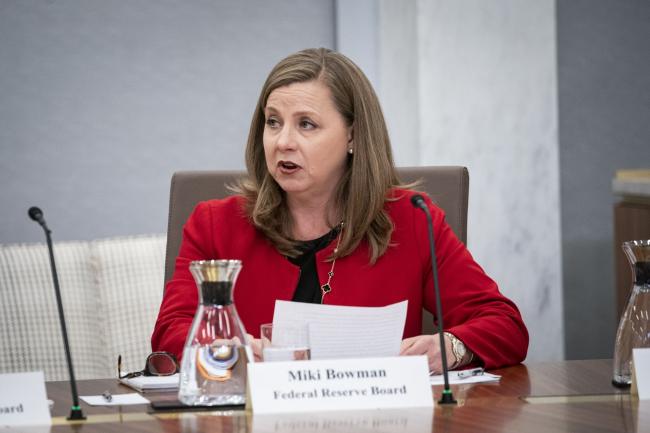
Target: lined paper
x=346, y=332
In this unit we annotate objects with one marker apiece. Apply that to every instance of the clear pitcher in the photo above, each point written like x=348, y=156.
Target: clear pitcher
x=634, y=327
x=213, y=368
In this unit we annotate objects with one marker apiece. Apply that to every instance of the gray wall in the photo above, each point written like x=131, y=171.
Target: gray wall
x=604, y=125
x=356, y=35
x=102, y=100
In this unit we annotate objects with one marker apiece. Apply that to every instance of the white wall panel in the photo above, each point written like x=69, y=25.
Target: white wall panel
x=485, y=78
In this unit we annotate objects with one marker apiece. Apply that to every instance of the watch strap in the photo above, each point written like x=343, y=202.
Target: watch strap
x=457, y=348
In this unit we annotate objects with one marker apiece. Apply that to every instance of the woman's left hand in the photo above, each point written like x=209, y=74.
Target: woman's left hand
x=428, y=345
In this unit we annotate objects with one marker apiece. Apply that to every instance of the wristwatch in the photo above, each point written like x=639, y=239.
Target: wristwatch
x=458, y=349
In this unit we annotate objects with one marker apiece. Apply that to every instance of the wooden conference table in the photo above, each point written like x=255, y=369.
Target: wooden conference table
x=566, y=396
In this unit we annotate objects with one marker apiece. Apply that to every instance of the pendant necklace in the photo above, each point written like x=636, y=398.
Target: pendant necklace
x=326, y=288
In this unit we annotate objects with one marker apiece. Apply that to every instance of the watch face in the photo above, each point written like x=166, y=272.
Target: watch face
x=458, y=347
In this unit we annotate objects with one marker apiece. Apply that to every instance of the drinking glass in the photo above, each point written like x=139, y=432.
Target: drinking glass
x=284, y=342
x=634, y=326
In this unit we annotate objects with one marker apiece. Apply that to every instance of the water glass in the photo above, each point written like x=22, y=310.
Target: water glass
x=284, y=342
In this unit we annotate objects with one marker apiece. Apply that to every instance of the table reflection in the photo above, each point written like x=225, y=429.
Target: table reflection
x=413, y=420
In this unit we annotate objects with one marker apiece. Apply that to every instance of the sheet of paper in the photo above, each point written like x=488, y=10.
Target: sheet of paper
x=117, y=400
x=437, y=379
x=346, y=332
x=641, y=358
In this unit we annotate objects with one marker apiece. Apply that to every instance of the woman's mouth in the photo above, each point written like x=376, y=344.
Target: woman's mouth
x=288, y=167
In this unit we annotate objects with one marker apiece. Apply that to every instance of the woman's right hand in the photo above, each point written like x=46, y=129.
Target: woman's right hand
x=256, y=345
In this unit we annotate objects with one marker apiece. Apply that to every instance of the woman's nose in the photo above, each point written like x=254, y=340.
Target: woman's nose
x=286, y=138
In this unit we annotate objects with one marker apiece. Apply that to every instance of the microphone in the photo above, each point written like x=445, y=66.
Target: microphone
x=75, y=412
x=36, y=214
x=447, y=397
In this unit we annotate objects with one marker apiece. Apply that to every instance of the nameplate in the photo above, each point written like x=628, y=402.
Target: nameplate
x=22, y=400
x=641, y=377
x=339, y=384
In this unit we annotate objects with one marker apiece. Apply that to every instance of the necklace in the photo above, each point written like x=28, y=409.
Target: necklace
x=326, y=288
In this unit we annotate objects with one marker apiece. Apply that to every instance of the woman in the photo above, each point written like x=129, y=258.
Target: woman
x=322, y=217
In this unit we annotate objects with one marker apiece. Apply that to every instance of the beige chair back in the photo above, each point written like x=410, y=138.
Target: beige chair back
x=448, y=187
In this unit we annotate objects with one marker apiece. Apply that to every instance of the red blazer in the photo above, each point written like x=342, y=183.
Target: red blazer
x=474, y=310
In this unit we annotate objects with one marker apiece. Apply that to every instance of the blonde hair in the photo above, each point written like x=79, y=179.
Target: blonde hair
x=362, y=191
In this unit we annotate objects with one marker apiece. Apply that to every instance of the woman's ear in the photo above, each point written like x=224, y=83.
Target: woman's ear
x=350, y=134
x=350, y=140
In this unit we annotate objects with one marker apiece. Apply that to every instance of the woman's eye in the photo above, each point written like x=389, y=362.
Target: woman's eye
x=272, y=122
x=307, y=124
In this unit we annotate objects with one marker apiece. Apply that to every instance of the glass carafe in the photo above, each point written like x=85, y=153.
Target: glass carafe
x=634, y=327
x=213, y=368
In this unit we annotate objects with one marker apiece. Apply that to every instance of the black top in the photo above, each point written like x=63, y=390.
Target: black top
x=308, y=289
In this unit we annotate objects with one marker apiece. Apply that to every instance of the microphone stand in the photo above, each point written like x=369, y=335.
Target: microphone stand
x=75, y=412
x=447, y=395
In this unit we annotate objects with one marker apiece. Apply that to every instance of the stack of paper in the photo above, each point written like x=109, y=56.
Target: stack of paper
x=153, y=383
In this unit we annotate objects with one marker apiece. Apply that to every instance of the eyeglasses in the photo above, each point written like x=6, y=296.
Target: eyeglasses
x=158, y=364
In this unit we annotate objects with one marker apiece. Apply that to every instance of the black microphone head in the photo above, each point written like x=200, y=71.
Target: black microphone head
x=35, y=213
x=417, y=200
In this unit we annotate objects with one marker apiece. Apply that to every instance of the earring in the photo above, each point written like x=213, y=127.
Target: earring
x=350, y=151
